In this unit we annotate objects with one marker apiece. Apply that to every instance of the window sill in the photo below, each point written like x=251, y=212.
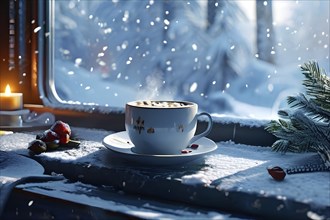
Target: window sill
x=236, y=132
x=202, y=183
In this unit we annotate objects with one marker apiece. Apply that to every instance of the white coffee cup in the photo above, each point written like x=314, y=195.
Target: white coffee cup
x=163, y=127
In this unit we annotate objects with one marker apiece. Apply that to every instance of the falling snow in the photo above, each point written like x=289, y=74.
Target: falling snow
x=104, y=43
x=37, y=29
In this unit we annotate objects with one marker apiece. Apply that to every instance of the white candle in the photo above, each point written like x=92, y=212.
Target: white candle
x=10, y=101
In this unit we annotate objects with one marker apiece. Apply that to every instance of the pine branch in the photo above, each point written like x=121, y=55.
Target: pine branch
x=281, y=146
x=317, y=84
x=294, y=138
x=306, y=126
x=318, y=130
x=311, y=108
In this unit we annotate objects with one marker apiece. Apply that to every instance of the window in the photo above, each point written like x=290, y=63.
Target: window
x=105, y=53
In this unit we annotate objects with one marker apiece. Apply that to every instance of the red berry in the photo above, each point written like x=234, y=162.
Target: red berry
x=277, y=173
x=194, y=146
x=49, y=136
x=185, y=151
x=61, y=128
x=64, y=139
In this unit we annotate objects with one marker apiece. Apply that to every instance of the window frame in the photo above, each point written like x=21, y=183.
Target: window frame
x=106, y=118
x=46, y=83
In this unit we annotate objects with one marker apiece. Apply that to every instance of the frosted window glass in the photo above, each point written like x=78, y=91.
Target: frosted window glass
x=107, y=53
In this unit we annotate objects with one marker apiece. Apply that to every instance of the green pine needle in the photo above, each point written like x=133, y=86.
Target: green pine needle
x=281, y=146
x=317, y=84
x=306, y=126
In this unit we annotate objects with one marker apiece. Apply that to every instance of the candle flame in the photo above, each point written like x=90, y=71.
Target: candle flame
x=7, y=91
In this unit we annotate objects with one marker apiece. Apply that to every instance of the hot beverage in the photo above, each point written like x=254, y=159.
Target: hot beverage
x=163, y=127
x=161, y=104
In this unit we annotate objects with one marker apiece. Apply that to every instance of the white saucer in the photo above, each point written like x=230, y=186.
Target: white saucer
x=120, y=143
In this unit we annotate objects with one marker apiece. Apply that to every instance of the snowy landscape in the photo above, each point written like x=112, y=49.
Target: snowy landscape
x=106, y=53
x=111, y=52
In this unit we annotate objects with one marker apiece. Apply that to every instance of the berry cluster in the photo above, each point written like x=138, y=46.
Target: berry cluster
x=58, y=135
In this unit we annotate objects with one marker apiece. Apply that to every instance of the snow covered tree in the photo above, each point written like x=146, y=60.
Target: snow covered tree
x=162, y=48
x=306, y=126
x=221, y=16
x=211, y=58
x=265, y=33
x=168, y=15
x=212, y=8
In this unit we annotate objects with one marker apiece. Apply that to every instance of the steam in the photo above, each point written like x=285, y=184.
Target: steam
x=155, y=89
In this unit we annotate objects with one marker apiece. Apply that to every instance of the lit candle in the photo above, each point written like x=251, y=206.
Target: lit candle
x=10, y=101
